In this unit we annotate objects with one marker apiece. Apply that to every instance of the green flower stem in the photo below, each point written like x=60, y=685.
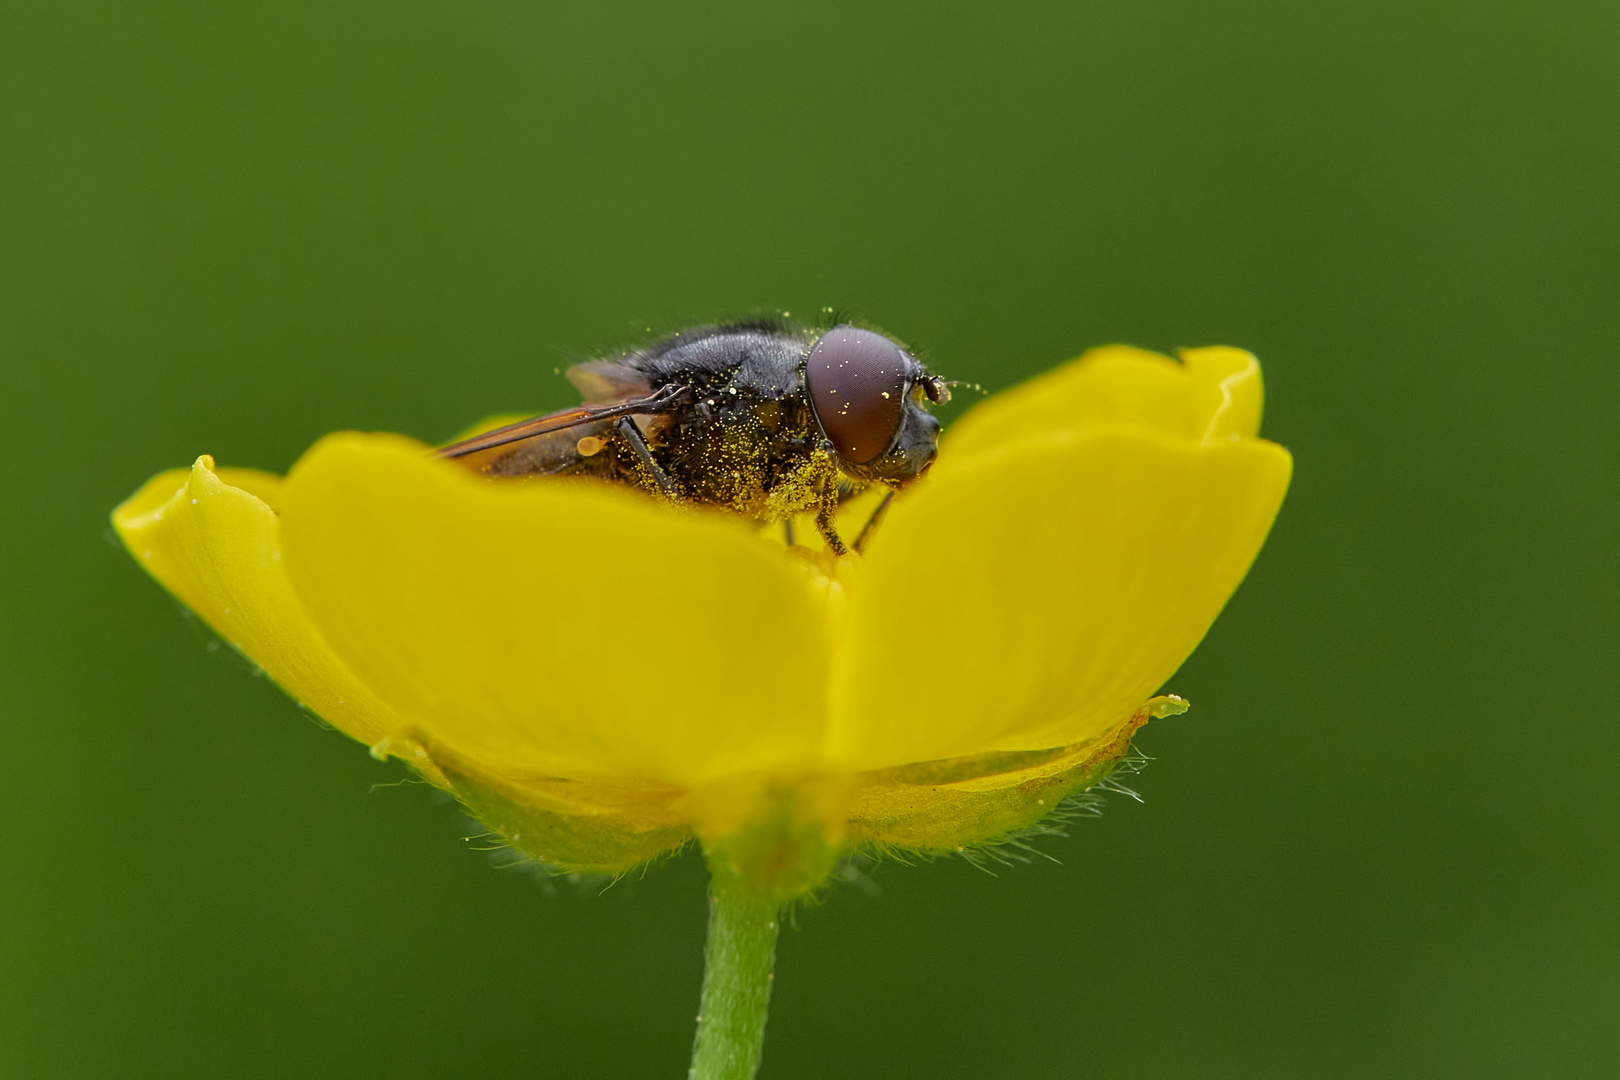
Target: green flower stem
x=737, y=959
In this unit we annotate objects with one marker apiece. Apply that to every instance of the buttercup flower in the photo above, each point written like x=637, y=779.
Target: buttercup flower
x=600, y=677
x=615, y=675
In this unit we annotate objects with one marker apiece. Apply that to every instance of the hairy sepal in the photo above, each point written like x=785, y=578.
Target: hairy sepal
x=954, y=805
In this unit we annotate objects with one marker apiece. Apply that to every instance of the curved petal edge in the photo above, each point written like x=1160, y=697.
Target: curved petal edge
x=217, y=548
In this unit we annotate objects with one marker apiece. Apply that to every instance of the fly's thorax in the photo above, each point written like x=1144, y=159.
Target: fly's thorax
x=734, y=446
x=764, y=359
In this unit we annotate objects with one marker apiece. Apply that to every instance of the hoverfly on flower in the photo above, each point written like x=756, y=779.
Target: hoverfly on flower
x=763, y=418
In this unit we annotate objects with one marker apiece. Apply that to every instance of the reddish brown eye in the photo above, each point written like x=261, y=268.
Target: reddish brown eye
x=857, y=383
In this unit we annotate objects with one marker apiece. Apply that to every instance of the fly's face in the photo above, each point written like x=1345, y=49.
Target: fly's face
x=866, y=394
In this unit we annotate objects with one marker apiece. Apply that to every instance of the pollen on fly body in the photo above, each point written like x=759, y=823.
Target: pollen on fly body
x=766, y=418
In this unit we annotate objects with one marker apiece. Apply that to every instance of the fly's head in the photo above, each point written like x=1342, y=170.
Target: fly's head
x=867, y=395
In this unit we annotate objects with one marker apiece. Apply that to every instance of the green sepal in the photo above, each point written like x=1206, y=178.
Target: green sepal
x=949, y=820
x=950, y=806
x=589, y=842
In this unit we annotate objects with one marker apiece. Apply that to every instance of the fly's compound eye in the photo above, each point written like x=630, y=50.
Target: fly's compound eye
x=857, y=383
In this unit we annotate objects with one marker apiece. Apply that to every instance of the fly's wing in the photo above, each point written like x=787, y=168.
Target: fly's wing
x=607, y=381
x=570, y=440
x=659, y=401
x=543, y=454
x=550, y=454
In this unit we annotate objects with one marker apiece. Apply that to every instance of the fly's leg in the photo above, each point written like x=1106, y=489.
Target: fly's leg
x=631, y=435
x=872, y=522
x=787, y=529
x=827, y=518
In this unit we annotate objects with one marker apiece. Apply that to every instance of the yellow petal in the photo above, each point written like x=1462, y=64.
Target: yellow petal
x=217, y=549
x=1036, y=595
x=1213, y=394
x=264, y=486
x=1227, y=392
x=565, y=629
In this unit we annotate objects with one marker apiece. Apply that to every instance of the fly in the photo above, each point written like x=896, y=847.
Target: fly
x=764, y=419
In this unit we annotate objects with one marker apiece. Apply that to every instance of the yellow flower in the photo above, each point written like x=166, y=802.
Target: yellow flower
x=600, y=677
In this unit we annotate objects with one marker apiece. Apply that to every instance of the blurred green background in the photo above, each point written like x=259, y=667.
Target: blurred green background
x=1384, y=843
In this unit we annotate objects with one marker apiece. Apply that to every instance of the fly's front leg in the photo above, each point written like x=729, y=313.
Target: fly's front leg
x=827, y=517
x=631, y=435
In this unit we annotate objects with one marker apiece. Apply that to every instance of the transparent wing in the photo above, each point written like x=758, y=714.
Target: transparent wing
x=662, y=400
